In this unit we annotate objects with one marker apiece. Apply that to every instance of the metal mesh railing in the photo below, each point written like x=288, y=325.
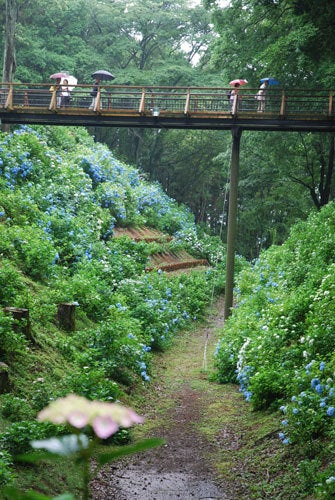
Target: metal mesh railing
x=164, y=100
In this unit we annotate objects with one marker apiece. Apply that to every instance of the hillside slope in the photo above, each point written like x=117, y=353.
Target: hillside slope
x=61, y=198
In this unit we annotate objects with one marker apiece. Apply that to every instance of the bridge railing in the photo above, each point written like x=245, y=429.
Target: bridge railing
x=145, y=100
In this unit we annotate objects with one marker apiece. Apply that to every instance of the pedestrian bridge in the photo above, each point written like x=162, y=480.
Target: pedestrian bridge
x=168, y=107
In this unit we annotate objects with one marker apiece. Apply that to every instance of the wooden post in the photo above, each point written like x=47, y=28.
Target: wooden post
x=66, y=316
x=53, y=102
x=282, y=104
x=141, y=109
x=330, y=105
x=232, y=220
x=187, y=104
x=9, y=100
x=21, y=323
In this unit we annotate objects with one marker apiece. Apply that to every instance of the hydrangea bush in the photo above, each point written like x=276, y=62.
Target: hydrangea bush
x=61, y=196
x=279, y=343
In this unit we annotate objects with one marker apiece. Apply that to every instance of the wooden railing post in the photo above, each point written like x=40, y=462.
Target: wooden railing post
x=53, y=102
x=331, y=102
x=187, y=104
x=282, y=105
x=142, y=103
x=9, y=100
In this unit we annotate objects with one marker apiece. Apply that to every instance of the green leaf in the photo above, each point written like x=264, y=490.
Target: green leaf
x=37, y=457
x=64, y=496
x=144, y=445
x=11, y=493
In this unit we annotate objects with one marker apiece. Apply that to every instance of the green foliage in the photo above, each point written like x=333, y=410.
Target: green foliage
x=30, y=248
x=91, y=381
x=14, y=408
x=62, y=195
x=279, y=343
x=12, y=343
x=6, y=473
x=11, y=283
x=16, y=439
x=324, y=481
x=163, y=305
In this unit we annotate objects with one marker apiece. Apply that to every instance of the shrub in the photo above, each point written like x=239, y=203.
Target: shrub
x=15, y=408
x=30, y=248
x=7, y=476
x=91, y=382
x=278, y=320
x=12, y=343
x=11, y=283
x=16, y=439
x=310, y=414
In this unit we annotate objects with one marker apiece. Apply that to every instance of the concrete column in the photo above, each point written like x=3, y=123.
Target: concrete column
x=232, y=220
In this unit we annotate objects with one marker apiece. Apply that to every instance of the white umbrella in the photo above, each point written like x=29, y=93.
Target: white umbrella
x=71, y=81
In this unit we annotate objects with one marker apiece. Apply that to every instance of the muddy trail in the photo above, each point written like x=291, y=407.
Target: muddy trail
x=205, y=427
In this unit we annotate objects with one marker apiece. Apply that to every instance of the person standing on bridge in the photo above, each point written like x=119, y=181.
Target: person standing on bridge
x=260, y=96
x=94, y=93
x=233, y=93
x=65, y=94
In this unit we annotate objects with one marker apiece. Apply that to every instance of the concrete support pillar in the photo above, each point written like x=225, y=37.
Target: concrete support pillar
x=232, y=220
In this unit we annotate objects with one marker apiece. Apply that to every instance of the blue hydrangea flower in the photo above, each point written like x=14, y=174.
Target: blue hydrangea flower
x=330, y=411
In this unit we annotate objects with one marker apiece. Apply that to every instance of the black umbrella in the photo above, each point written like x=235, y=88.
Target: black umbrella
x=101, y=74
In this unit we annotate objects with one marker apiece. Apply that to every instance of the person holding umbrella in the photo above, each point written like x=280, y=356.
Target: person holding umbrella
x=99, y=75
x=94, y=93
x=260, y=96
x=234, y=93
x=63, y=86
x=65, y=93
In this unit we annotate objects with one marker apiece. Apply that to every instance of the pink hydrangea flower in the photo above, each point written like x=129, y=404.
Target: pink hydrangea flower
x=105, y=418
x=104, y=426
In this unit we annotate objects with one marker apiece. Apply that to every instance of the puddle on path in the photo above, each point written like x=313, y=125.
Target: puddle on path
x=153, y=485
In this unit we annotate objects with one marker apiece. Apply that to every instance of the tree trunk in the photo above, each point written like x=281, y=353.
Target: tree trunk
x=21, y=321
x=9, y=60
x=66, y=316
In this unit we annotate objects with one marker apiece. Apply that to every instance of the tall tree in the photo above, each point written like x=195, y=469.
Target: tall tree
x=9, y=59
x=293, y=41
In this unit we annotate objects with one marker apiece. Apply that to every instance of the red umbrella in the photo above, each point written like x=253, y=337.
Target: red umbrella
x=61, y=74
x=240, y=81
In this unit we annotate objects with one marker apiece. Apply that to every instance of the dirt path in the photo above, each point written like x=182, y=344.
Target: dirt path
x=201, y=423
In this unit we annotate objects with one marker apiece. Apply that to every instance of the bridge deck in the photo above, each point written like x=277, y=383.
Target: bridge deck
x=168, y=107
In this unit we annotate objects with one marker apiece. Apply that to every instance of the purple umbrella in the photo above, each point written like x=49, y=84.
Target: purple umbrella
x=61, y=74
